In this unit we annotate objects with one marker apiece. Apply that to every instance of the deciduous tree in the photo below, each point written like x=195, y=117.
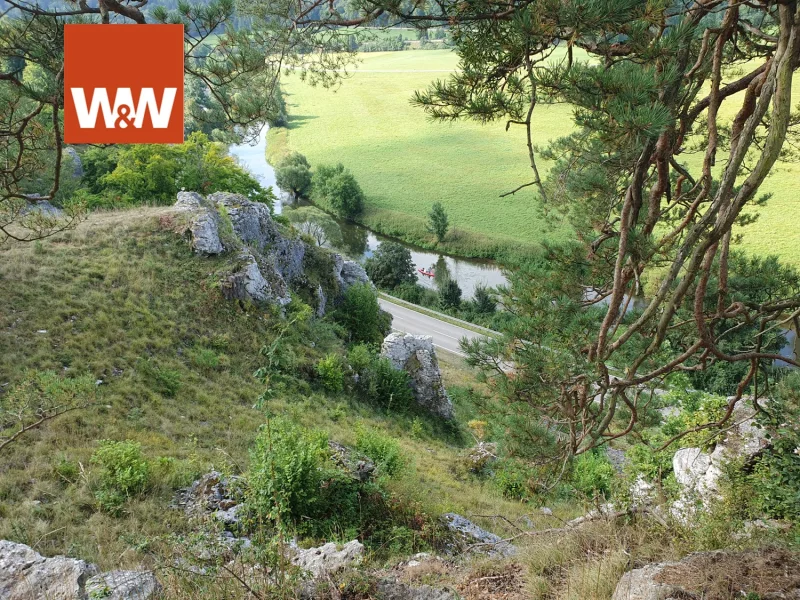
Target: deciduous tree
x=438, y=223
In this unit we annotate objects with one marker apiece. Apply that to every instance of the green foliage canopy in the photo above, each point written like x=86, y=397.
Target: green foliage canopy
x=337, y=188
x=293, y=175
x=390, y=266
x=646, y=287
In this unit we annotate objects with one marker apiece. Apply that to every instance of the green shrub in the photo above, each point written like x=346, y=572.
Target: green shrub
x=207, y=359
x=383, y=450
x=331, y=372
x=293, y=175
x=386, y=386
x=512, y=479
x=67, y=470
x=154, y=173
x=449, y=294
x=293, y=478
x=592, y=474
x=286, y=471
x=483, y=301
x=438, y=223
x=417, y=294
x=171, y=473
x=337, y=188
x=124, y=473
x=776, y=476
x=361, y=315
x=164, y=381
x=390, y=266
x=360, y=357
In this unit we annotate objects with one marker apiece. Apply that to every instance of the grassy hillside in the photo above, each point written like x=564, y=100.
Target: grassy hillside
x=124, y=302
x=404, y=162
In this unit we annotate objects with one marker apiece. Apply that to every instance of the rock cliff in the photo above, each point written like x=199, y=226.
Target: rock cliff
x=415, y=355
x=270, y=262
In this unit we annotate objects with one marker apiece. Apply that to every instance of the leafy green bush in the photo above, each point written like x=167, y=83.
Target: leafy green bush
x=67, y=470
x=124, y=473
x=776, y=476
x=337, y=188
x=387, y=386
x=361, y=315
x=285, y=476
x=207, y=359
x=592, y=474
x=292, y=478
x=449, y=294
x=483, y=301
x=154, y=173
x=698, y=408
x=438, y=223
x=331, y=372
x=390, y=266
x=360, y=357
x=513, y=479
x=383, y=450
x=164, y=381
x=293, y=174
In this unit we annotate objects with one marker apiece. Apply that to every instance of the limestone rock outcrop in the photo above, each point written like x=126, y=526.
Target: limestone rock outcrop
x=328, y=558
x=248, y=281
x=27, y=575
x=699, y=472
x=641, y=584
x=269, y=262
x=213, y=495
x=393, y=589
x=123, y=585
x=204, y=227
x=471, y=538
x=415, y=355
x=359, y=467
x=766, y=574
x=351, y=273
x=75, y=159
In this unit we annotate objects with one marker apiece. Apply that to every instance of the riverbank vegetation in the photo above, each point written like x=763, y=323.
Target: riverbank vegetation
x=467, y=164
x=413, y=162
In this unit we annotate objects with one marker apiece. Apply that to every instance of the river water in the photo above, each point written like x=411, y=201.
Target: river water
x=360, y=243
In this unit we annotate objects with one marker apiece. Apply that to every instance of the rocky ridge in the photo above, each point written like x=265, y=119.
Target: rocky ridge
x=269, y=262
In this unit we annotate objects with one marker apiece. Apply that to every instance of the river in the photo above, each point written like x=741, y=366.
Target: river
x=359, y=243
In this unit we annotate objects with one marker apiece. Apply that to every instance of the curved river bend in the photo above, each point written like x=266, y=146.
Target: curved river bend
x=360, y=243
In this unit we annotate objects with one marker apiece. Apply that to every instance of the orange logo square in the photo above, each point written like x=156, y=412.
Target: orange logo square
x=123, y=84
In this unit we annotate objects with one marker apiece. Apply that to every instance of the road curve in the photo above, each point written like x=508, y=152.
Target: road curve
x=445, y=335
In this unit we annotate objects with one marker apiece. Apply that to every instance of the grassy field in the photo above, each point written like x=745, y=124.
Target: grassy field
x=405, y=162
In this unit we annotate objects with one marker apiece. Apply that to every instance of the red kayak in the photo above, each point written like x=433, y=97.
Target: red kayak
x=427, y=273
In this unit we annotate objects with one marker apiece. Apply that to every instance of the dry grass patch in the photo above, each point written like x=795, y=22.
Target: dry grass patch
x=721, y=576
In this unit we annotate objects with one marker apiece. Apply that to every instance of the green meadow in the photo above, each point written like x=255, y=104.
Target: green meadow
x=405, y=162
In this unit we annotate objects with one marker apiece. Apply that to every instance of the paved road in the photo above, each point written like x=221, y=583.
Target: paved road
x=445, y=335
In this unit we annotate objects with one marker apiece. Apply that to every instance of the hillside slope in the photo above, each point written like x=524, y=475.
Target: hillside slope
x=122, y=301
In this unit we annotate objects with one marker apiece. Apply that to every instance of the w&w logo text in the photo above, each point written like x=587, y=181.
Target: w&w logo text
x=108, y=101
x=122, y=114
